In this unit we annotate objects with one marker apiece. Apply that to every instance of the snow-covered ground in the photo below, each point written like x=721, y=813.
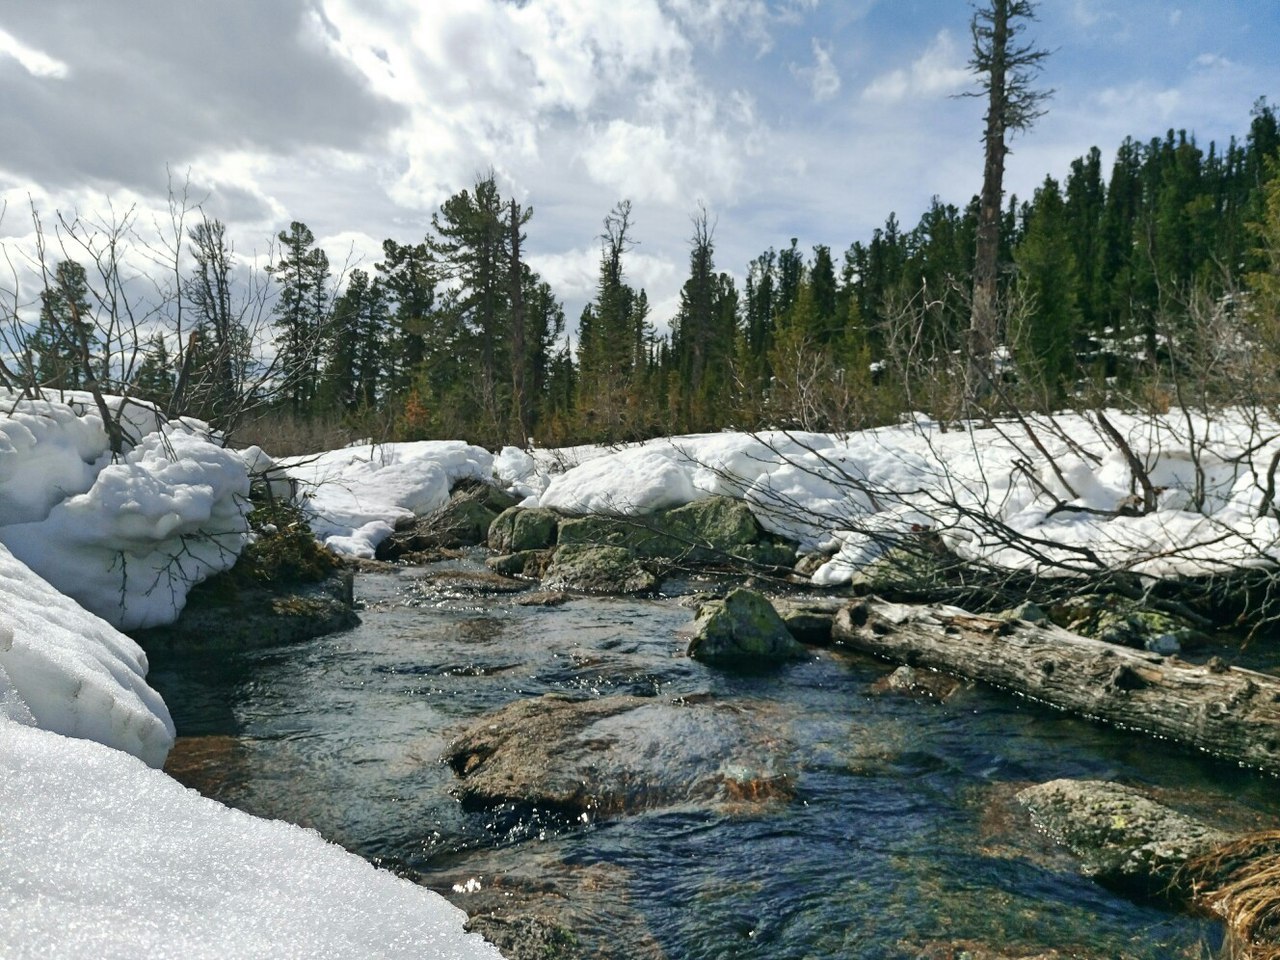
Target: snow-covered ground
x=104, y=856
x=980, y=488
x=107, y=857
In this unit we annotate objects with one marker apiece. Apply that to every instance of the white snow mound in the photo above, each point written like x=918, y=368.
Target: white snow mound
x=105, y=858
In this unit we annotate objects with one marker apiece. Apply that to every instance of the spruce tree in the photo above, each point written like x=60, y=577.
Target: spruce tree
x=302, y=311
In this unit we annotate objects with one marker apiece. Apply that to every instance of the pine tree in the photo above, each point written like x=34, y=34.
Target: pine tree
x=407, y=274
x=1048, y=284
x=63, y=346
x=302, y=312
x=154, y=380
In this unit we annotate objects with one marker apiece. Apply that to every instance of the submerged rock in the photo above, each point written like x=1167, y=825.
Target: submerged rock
x=618, y=755
x=918, y=683
x=590, y=569
x=742, y=627
x=465, y=582
x=1123, y=838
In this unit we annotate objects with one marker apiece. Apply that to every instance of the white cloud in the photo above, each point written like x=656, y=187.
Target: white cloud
x=1212, y=61
x=941, y=70
x=1140, y=99
x=822, y=77
x=35, y=62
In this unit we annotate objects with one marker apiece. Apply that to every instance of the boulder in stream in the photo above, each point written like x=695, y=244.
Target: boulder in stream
x=607, y=570
x=1123, y=838
x=620, y=754
x=743, y=627
x=519, y=528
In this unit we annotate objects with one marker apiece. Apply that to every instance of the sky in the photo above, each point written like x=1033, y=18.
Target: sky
x=785, y=118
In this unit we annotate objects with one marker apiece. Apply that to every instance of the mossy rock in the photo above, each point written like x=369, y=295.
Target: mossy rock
x=712, y=530
x=250, y=617
x=1119, y=620
x=599, y=569
x=462, y=522
x=717, y=525
x=743, y=627
x=641, y=536
x=526, y=563
x=517, y=529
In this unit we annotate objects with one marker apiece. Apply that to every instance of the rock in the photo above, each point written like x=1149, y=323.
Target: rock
x=742, y=627
x=526, y=563
x=518, y=529
x=1123, y=838
x=711, y=528
x=809, y=564
x=1126, y=622
x=248, y=618
x=1030, y=612
x=462, y=582
x=617, y=755
x=809, y=619
x=708, y=531
x=544, y=598
x=462, y=522
x=526, y=936
x=638, y=535
x=776, y=554
x=918, y=683
x=591, y=569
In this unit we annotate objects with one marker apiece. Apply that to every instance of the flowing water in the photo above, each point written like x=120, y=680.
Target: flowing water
x=902, y=838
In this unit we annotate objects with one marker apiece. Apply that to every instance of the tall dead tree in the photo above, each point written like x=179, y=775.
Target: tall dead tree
x=1006, y=68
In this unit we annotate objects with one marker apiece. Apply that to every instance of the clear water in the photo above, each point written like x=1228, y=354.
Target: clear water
x=903, y=839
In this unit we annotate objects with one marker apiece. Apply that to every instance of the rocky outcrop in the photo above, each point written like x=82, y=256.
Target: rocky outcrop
x=618, y=755
x=518, y=529
x=742, y=628
x=247, y=618
x=628, y=555
x=713, y=530
x=462, y=522
x=593, y=569
x=1123, y=838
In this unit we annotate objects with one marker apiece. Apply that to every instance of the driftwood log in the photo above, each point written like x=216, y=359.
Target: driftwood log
x=1226, y=711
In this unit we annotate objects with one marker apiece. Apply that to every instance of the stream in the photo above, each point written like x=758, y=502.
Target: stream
x=902, y=838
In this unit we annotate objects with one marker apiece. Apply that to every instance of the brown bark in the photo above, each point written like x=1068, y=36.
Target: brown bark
x=1226, y=711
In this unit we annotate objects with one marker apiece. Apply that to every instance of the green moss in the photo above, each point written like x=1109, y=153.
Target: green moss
x=283, y=550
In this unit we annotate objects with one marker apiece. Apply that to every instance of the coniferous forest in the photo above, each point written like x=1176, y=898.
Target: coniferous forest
x=1124, y=277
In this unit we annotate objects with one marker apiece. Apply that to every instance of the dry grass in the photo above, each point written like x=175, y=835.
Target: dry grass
x=1240, y=882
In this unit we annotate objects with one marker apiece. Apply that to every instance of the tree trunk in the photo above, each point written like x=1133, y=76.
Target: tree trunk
x=982, y=317
x=519, y=361
x=1226, y=711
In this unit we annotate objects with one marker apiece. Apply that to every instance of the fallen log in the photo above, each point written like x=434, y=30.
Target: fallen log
x=1225, y=711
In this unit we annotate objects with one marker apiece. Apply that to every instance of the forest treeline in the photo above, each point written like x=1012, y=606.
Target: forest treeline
x=1107, y=279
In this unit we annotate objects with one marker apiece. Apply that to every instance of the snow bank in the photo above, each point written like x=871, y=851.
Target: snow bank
x=127, y=539
x=66, y=670
x=106, y=858
x=853, y=495
x=355, y=496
